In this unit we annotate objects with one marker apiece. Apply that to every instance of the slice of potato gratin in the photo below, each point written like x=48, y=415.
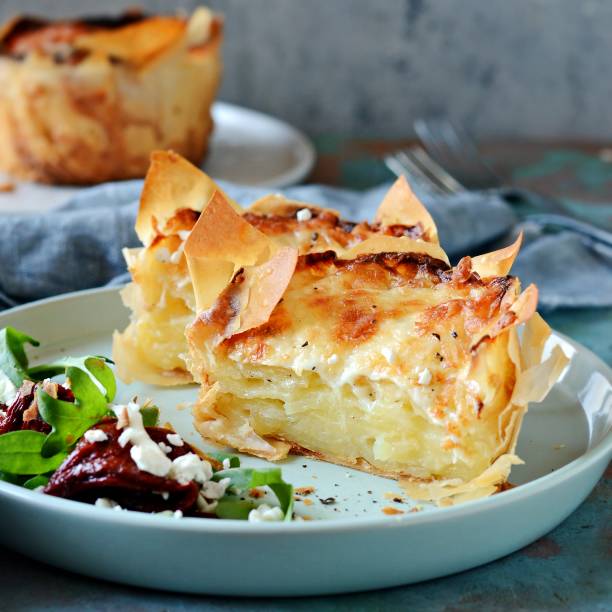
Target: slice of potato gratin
x=161, y=295
x=378, y=356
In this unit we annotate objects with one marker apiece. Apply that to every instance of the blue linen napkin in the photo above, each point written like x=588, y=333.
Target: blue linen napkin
x=79, y=246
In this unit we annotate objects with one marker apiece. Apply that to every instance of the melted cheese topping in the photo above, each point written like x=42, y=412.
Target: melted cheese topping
x=390, y=362
x=161, y=298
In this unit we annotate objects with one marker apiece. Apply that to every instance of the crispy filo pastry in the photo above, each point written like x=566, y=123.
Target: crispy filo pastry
x=382, y=358
x=175, y=196
x=86, y=101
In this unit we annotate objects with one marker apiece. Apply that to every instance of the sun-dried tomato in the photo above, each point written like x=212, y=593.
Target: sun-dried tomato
x=106, y=469
x=14, y=418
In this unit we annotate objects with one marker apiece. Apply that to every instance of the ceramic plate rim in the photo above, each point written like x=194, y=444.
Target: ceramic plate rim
x=308, y=154
x=203, y=525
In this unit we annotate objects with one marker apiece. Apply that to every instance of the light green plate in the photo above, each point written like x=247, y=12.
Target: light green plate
x=350, y=544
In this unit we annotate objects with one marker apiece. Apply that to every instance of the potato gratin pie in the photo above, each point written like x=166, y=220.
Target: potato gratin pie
x=87, y=100
x=356, y=344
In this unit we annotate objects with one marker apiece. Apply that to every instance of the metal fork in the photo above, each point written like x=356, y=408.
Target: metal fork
x=423, y=168
x=454, y=150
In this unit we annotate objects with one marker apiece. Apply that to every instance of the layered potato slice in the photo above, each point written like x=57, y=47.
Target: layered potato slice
x=381, y=357
x=176, y=195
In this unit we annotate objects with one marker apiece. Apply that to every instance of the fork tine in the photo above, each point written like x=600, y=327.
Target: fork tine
x=432, y=167
x=401, y=164
x=463, y=142
x=455, y=150
x=441, y=142
x=409, y=157
x=428, y=131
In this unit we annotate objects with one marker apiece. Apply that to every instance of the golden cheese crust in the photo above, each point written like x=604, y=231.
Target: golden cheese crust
x=87, y=101
x=175, y=197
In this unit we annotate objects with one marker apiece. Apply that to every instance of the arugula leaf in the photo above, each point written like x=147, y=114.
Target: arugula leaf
x=244, y=479
x=234, y=460
x=150, y=416
x=69, y=421
x=232, y=507
x=20, y=453
x=94, y=365
x=13, y=358
x=36, y=481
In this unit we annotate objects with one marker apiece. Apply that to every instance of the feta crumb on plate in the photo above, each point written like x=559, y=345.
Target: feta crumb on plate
x=265, y=513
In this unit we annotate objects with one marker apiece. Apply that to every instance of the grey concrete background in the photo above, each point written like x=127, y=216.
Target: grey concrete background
x=536, y=68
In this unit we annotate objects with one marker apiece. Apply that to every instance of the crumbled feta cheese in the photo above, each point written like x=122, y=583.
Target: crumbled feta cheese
x=150, y=457
x=303, y=215
x=204, y=505
x=105, y=502
x=388, y=354
x=95, y=435
x=424, y=377
x=8, y=391
x=190, y=467
x=171, y=513
x=145, y=453
x=265, y=513
x=163, y=255
x=333, y=359
x=226, y=464
x=174, y=439
x=167, y=449
x=215, y=490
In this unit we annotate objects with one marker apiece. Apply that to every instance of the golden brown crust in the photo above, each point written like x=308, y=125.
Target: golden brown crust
x=120, y=93
x=401, y=206
x=497, y=263
x=172, y=184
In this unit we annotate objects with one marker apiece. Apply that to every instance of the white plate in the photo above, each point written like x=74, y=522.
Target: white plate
x=250, y=148
x=246, y=148
x=351, y=545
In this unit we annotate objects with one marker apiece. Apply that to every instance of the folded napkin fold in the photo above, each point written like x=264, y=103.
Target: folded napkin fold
x=79, y=246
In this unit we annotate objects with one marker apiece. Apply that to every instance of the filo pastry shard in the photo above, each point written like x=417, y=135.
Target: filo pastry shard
x=175, y=196
x=382, y=357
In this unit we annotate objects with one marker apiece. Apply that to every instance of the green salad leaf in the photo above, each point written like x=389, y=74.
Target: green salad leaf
x=95, y=366
x=233, y=507
x=36, y=481
x=93, y=384
x=13, y=358
x=69, y=421
x=150, y=416
x=20, y=453
x=243, y=479
x=234, y=460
